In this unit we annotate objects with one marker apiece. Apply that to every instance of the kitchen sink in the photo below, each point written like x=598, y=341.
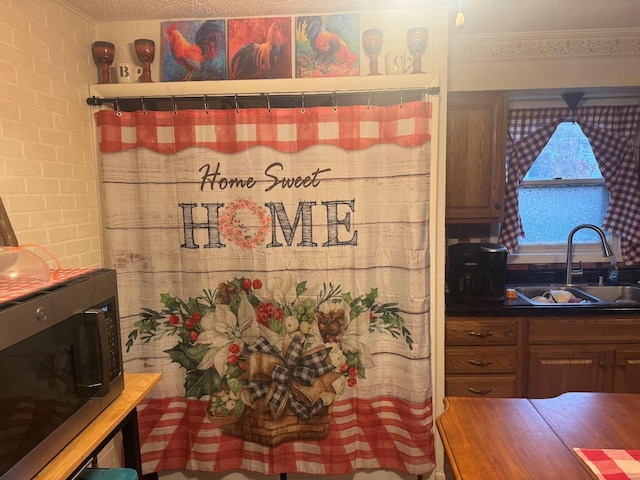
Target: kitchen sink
x=577, y=295
x=626, y=294
x=556, y=295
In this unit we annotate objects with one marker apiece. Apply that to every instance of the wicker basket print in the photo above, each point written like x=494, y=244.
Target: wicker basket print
x=270, y=360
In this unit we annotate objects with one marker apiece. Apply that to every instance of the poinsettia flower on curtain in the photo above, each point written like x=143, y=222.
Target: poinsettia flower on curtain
x=222, y=329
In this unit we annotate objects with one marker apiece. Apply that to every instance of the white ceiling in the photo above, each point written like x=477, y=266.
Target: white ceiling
x=482, y=16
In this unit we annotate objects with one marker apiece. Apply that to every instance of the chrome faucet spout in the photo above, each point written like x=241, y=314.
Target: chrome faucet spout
x=606, y=248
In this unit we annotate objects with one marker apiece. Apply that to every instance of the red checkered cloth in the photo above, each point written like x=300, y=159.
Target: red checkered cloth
x=388, y=433
x=12, y=290
x=611, y=464
x=284, y=130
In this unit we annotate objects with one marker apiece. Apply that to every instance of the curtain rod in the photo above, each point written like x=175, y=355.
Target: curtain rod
x=276, y=100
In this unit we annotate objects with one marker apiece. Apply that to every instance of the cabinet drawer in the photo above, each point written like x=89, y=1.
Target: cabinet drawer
x=464, y=331
x=562, y=330
x=481, y=360
x=480, y=386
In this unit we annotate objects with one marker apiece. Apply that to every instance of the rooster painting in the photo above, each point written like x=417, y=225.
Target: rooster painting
x=326, y=46
x=202, y=58
x=259, y=48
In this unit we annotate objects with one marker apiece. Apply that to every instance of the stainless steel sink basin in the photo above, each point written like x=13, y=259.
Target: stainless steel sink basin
x=626, y=294
x=541, y=295
x=580, y=294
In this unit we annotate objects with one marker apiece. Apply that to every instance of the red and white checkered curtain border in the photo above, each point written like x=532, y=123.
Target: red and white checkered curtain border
x=283, y=129
x=612, y=132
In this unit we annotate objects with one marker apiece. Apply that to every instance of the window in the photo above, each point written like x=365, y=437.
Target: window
x=564, y=188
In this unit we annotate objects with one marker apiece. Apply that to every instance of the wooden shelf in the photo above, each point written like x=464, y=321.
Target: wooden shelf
x=270, y=86
x=75, y=454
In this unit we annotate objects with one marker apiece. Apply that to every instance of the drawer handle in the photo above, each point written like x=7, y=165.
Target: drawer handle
x=480, y=335
x=484, y=391
x=622, y=365
x=481, y=363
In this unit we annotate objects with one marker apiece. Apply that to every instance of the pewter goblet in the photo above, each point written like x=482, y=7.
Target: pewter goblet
x=103, y=53
x=145, y=50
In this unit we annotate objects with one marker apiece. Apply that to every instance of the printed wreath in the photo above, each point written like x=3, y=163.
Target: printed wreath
x=278, y=347
x=233, y=226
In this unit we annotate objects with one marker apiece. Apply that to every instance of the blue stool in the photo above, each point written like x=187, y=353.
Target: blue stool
x=108, y=474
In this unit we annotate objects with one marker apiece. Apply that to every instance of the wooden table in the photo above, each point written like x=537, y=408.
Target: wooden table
x=518, y=438
x=120, y=415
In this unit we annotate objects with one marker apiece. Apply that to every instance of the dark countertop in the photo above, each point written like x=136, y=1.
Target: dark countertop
x=520, y=307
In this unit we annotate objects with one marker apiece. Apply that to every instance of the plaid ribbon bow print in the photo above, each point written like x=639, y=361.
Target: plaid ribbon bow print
x=272, y=376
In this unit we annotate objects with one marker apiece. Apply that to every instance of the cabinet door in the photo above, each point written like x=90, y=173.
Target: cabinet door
x=626, y=378
x=569, y=369
x=476, y=139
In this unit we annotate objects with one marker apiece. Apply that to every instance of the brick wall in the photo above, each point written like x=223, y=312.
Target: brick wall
x=48, y=178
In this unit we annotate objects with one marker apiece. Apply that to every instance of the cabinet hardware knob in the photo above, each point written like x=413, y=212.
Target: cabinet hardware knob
x=484, y=391
x=622, y=365
x=480, y=335
x=498, y=206
x=602, y=364
x=481, y=363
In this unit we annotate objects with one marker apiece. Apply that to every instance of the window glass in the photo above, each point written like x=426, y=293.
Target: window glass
x=564, y=188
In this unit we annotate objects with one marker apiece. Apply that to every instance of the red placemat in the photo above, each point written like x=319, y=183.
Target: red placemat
x=611, y=464
x=11, y=290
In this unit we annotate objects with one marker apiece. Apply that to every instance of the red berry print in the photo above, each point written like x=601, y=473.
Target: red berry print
x=233, y=359
x=257, y=284
x=196, y=316
x=234, y=348
x=194, y=335
x=246, y=284
x=352, y=382
x=174, y=320
x=189, y=324
x=353, y=372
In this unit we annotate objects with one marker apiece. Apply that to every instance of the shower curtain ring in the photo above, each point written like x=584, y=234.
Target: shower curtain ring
x=334, y=101
x=401, y=105
x=173, y=105
x=302, y=102
x=206, y=105
x=369, y=100
x=268, y=103
x=237, y=105
x=144, y=106
x=118, y=112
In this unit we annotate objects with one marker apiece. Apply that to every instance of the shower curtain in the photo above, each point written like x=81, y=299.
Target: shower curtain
x=273, y=264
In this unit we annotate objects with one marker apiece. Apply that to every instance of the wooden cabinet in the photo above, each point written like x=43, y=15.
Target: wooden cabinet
x=483, y=357
x=598, y=354
x=476, y=140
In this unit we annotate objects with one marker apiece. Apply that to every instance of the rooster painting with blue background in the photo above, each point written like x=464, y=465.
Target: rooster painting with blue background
x=327, y=46
x=194, y=50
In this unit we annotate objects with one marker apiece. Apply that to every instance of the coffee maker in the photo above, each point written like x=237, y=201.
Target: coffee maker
x=477, y=272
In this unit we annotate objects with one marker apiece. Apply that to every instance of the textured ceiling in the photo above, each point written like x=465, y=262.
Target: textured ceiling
x=482, y=16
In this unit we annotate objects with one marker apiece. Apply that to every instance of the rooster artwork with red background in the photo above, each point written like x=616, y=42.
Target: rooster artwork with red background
x=259, y=48
x=193, y=50
x=327, y=46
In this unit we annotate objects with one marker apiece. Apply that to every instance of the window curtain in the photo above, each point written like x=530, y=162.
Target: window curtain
x=274, y=266
x=612, y=132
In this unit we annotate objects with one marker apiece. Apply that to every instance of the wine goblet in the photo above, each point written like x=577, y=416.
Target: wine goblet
x=103, y=53
x=145, y=50
x=372, y=45
x=417, y=42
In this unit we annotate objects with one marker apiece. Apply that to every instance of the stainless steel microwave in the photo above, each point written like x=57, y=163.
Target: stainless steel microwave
x=60, y=367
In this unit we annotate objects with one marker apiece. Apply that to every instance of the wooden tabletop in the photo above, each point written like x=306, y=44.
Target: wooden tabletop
x=136, y=387
x=517, y=438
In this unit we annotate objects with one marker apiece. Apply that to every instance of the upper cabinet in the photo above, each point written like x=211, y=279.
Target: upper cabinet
x=476, y=143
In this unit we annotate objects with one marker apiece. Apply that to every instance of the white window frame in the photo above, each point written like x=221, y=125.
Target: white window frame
x=557, y=253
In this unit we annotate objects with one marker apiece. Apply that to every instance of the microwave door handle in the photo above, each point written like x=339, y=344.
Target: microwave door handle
x=102, y=354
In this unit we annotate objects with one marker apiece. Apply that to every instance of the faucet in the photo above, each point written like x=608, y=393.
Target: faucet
x=606, y=249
